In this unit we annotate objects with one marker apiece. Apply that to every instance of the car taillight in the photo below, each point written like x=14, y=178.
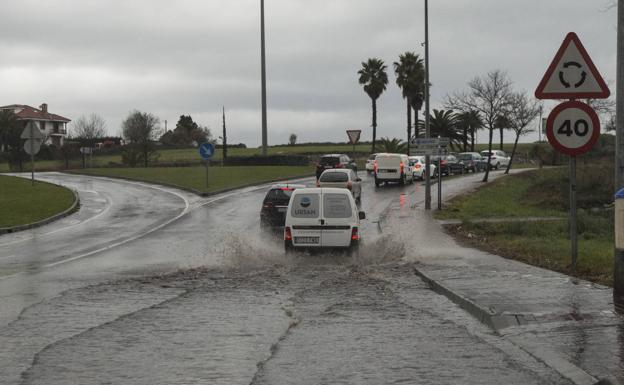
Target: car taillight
x=354, y=234
x=375, y=166
x=418, y=166
x=318, y=183
x=442, y=162
x=287, y=234
x=340, y=165
x=349, y=185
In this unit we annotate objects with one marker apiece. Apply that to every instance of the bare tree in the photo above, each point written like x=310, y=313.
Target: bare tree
x=522, y=110
x=89, y=127
x=489, y=96
x=141, y=129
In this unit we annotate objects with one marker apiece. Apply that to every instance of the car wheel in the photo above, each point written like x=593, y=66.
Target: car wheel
x=354, y=250
x=288, y=248
x=377, y=183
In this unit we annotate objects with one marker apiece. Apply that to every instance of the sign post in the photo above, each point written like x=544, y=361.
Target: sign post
x=206, y=151
x=354, y=137
x=431, y=146
x=572, y=127
x=34, y=138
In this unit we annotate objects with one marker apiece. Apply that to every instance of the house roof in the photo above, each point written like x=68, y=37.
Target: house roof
x=31, y=113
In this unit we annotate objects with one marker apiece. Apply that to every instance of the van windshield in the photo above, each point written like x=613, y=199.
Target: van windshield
x=305, y=206
x=336, y=206
x=334, y=177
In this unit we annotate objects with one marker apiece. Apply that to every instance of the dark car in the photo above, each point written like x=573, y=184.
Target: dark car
x=473, y=161
x=449, y=164
x=275, y=204
x=334, y=161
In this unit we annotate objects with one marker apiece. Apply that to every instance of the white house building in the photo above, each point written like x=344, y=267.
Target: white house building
x=53, y=126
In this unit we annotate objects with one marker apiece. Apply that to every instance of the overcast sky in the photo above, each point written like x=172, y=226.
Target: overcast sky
x=192, y=57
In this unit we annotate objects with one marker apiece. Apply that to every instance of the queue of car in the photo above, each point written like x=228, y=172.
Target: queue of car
x=328, y=216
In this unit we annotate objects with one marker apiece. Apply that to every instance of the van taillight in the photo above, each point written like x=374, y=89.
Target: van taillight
x=288, y=234
x=402, y=166
x=354, y=234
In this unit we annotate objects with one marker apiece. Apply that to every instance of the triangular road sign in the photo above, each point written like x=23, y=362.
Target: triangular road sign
x=572, y=74
x=354, y=136
x=31, y=131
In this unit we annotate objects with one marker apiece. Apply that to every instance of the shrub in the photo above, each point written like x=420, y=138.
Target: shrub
x=270, y=160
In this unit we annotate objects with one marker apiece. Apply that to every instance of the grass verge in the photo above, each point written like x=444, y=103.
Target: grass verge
x=546, y=244
x=219, y=178
x=21, y=203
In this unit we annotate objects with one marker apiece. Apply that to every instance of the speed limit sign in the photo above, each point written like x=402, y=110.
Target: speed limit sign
x=573, y=128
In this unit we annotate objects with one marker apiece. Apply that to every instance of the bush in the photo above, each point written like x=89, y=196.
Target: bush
x=270, y=160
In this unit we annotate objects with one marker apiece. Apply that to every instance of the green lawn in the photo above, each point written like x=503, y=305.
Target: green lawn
x=220, y=178
x=21, y=203
x=546, y=244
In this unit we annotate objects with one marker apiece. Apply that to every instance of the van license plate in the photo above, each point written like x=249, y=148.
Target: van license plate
x=307, y=240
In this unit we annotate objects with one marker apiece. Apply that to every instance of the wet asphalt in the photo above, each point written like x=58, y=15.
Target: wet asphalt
x=150, y=285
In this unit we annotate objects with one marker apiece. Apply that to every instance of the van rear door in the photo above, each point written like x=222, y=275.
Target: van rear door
x=305, y=219
x=337, y=218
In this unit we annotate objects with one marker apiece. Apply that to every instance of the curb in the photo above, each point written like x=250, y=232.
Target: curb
x=192, y=190
x=72, y=209
x=497, y=322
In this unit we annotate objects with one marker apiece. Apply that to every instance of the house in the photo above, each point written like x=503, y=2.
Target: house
x=53, y=126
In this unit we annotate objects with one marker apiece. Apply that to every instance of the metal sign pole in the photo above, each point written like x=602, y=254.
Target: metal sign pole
x=573, y=227
x=207, y=161
x=32, y=155
x=439, y=182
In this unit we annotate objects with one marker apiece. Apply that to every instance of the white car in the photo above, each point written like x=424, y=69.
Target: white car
x=323, y=217
x=392, y=168
x=418, y=167
x=499, y=159
x=370, y=163
x=342, y=178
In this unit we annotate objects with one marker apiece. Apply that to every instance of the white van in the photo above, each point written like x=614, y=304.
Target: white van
x=392, y=168
x=322, y=217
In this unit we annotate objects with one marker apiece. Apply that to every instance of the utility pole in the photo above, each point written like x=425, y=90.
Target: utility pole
x=618, y=270
x=427, y=130
x=540, y=123
x=224, y=140
x=263, y=69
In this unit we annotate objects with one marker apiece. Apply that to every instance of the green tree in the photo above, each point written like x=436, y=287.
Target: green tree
x=374, y=79
x=444, y=123
x=469, y=122
x=292, y=139
x=10, y=140
x=140, y=129
x=393, y=145
x=410, y=77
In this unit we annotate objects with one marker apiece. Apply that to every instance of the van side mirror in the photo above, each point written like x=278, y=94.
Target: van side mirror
x=362, y=215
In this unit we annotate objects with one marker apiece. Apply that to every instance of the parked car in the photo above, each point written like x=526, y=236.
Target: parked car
x=342, y=178
x=449, y=165
x=275, y=204
x=322, y=217
x=334, y=161
x=392, y=168
x=418, y=167
x=473, y=161
x=370, y=163
x=499, y=158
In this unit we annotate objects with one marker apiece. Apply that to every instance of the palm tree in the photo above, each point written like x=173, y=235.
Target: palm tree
x=469, y=121
x=393, y=145
x=501, y=122
x=374, y=79
x=444, y=123
x=410, y=77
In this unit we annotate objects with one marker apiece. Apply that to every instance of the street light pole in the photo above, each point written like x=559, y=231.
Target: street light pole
x=263, y=66
x=427, y=130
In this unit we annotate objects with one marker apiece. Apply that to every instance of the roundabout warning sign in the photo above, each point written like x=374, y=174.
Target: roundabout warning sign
x=573, y=128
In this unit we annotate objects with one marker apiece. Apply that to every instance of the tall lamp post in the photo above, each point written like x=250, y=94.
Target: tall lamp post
x=263, y=66
x=427, y=129
x=618, y=271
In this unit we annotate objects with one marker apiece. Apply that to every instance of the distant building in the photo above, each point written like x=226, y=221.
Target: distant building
x=53, y=126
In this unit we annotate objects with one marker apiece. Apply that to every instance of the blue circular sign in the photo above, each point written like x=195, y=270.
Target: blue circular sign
x=206, y=151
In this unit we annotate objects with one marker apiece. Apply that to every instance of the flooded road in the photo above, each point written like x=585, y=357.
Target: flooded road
x=153, y=286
